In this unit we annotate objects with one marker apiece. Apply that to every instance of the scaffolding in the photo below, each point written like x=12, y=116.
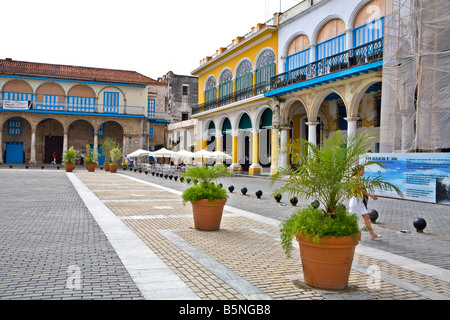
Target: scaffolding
x=415, y=110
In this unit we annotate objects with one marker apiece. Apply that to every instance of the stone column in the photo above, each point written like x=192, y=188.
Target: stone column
x=312, y=133
x=255, y=166
x=275, y=147
x=33, y=146
x=219, y=145
x=283, y=147
x=96, y=141
x=65, y=141
x=235, y=166
x=351, y=126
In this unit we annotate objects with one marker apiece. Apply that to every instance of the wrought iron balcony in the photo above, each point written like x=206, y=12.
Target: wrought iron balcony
x=367, y=53
x=239, y=95
x=67, y=107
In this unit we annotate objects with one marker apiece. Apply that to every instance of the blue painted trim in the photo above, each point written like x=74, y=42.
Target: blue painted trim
x=76, y=113
x=76, y=81
x=326, y=78
x=158, y=121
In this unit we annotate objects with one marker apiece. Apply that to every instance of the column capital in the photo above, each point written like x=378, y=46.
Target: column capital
x=348, y=119
x=312, y=123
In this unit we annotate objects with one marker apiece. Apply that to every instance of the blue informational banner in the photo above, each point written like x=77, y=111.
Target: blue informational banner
x=420, y=176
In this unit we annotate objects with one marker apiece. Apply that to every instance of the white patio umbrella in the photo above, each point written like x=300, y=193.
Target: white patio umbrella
x=184, y=154
x=203, y=154
x=162, y=153
x=139, y=153
x=221, y=155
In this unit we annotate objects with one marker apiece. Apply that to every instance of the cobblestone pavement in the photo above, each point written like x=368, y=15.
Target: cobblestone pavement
x=128, y=236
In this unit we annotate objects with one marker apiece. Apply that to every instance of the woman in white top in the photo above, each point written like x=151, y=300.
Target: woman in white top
x=358, y=203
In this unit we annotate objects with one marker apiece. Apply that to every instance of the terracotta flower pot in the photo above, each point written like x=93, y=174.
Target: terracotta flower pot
x=327, y=264
x=91, y=167
x=107, y=166
x=208, y=216
x=69, y=167
x=112, y=168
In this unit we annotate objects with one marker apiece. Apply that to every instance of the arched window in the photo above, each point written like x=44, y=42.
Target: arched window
x=244, y=80
x=226, y=88
x=210, y=92
x=369, y=23
x=331, y=39
x=265, y=69
x=298, y=53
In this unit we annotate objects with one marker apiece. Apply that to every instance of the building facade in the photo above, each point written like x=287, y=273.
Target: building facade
x=47, y=108
x=233, y=115
x=348, y=65
x=181, y=98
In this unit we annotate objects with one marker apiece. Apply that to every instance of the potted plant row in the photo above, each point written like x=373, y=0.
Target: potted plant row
x=207, y=198
x=69, y=157
x=115, y=156
x=326, y=231
x=90, y=158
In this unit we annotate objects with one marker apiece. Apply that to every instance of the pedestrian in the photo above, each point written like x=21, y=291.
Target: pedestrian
x=358, y=203
x=81, y=158
x=54, y=158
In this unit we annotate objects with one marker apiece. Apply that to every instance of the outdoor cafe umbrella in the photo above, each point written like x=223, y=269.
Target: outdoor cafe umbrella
x=184, y=154
x=221, y=155
x=204, y=154
x=162, y=153
x=138, y=153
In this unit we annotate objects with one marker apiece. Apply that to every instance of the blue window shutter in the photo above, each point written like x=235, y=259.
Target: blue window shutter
x=15, y=127
x=150, y=132
x=151, y=108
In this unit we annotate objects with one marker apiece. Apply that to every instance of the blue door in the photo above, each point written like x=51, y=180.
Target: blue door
x=101, y=157
x=14, y=152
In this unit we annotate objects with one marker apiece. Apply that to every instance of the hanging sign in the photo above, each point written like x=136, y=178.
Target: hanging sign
x=14, y=104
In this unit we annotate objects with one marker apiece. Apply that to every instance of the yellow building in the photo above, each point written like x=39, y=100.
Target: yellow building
x=233, y=114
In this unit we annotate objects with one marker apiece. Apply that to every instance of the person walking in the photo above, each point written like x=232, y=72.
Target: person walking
x=54, y=158
x=81, y=158
x=358, y=203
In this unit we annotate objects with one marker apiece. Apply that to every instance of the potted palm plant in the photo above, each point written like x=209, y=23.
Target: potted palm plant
x=207, y=198
x=115, y=156
x=107, y=146
x=327, y=234
x=69, y=157
x=90, y=158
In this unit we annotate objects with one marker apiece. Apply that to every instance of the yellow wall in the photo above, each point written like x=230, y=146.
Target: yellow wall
x=251, y=49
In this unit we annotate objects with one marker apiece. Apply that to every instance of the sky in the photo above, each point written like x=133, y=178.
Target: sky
x=148, y=36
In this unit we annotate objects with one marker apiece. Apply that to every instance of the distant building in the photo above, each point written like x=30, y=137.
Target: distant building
x=181, y=97
x=46, y=108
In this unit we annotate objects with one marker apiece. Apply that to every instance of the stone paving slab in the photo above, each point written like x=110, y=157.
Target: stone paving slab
x=131, y=248
x=244, y=260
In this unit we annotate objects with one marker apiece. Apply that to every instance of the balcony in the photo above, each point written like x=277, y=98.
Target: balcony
x=87, y=107
x=239, y=95
x=357, y=56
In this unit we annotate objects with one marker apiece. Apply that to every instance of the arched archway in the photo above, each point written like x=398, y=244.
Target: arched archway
x=211, y=136
x=49, y=140
x=226, y=136
x=244, y=129
x=16, y=142
x=80, y=133
x=264, y=121
x=109, y=129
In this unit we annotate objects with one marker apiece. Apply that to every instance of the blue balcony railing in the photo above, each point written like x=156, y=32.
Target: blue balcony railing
x=87, y=106
x=367, y=53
